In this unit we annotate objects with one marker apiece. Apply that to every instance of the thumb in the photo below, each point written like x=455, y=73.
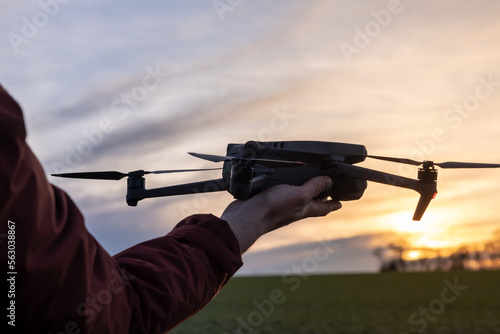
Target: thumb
x=320, y=209
x=316, y=186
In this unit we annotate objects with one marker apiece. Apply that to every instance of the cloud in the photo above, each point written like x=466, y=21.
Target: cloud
x=343, y=255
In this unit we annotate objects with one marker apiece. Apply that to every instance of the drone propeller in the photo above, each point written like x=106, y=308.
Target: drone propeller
x=114, y=175
x=452, y=164
x=400, y=160
x=108, y=175
x=266, y=162
x=211, y=157
x=449, y=164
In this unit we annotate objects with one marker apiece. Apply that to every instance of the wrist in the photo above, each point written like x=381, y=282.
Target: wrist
x=246, y=221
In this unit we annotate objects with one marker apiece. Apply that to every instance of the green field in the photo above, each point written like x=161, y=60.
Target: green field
x=441, y=302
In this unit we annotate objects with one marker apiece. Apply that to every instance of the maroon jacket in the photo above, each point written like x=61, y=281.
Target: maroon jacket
x=65, y=281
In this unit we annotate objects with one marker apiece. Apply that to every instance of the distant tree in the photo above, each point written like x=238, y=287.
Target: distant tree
x=496, y=252
x=379, y=254
x=458, y=258
x=391, y=257
x=492, y=251
x=440, y=261
x=478, y=256
x=399, y=249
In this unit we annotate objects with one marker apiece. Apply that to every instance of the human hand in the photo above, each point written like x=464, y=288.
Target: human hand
x=276, y=207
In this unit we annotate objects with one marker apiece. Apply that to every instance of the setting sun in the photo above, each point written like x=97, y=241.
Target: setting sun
x=412, y=255
x=431, y=232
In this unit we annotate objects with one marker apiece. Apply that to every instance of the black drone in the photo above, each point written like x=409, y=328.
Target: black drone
x=254, y=166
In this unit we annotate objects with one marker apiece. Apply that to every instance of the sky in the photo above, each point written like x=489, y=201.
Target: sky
x=108, y=85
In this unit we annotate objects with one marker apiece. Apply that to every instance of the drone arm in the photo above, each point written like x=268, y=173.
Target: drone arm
x=135, y=194
x=427, y=190
x=376, y=176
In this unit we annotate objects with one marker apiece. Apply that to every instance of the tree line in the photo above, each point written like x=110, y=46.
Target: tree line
x=395, y=257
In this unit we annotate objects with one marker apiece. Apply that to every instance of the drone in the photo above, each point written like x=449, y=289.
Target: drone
x=252, y=167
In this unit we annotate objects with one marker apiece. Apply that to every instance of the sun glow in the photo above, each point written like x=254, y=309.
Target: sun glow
x=412, y=255
x=401, y=222
x=431, y=232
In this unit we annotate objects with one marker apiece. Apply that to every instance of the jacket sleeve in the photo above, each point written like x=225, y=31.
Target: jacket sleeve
x=178, y=274
x=64, y=279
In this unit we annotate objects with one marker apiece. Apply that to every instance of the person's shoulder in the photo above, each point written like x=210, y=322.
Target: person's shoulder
x=12, y=123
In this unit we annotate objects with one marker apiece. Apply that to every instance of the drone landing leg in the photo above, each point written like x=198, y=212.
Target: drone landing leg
x=423, y=203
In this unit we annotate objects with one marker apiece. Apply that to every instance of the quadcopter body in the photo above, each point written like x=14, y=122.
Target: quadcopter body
x=247, y=177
